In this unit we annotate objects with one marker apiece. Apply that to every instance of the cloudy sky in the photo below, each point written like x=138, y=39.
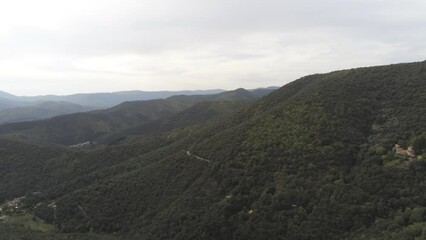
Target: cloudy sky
x=63, y=47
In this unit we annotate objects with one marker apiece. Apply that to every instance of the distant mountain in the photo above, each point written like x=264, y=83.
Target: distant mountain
x=39, y=111
x=91, y=126
x=106, y=100
x=260, y=92
x=18, y=109
x=6, y=103
x=6, y=95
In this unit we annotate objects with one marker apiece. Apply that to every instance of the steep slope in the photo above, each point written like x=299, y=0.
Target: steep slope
x=300, y=164
x=93, y=126
x=312, y=160
x=40, y=111
x=197, y=114
x=24, y=166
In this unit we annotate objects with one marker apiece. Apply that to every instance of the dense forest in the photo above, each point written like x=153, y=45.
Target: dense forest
x=312, y=160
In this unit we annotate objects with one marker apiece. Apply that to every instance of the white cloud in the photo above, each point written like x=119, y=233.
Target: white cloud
x=64, y=47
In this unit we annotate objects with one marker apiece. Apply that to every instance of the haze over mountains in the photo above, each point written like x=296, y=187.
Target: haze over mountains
x=16, y=108
x=104, y=100
x=100, y=100
x=311, y=160
x=41, y=110
x=92, y=126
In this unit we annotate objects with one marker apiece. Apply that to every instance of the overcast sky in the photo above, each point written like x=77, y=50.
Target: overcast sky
x=63, y=47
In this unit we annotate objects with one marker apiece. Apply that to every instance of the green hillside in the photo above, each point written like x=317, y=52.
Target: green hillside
x=313, y=160
x=19, y=232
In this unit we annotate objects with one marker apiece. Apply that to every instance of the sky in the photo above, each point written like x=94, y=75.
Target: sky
x=65, y=47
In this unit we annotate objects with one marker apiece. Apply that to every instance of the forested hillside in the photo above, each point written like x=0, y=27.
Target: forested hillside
x=312, y=160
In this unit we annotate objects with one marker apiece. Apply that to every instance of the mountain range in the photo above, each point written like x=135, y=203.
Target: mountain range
x=23, y=108
x=41, y=110
x=104, y=100
x=93, y=126
x=311, y=160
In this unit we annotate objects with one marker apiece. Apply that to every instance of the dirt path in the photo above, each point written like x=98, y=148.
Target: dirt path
x=197, y=157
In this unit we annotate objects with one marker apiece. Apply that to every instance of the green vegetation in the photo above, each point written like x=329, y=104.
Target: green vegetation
x=17, y=232
x=19, y=224
x=313, y=160
x=29, y=221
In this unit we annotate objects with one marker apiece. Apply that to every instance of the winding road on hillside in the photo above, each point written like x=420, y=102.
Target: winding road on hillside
x=197, y=157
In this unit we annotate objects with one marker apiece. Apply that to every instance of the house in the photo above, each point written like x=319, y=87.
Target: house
x=15, y=202
x=409, y=152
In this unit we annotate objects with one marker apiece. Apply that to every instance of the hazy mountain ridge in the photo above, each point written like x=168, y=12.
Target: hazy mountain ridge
x=19, y=109
x=106, y=100
x=6, y=95
x=6, y=103
x=30, y=108
x=92, y=126
x=39, y=111
x=114, y=98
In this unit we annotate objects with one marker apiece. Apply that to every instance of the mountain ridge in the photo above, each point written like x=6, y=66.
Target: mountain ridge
x=38, y=111
x=82, y=127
